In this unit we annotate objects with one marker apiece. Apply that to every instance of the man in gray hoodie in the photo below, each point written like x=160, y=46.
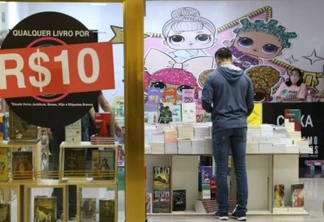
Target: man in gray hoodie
x=228, y=95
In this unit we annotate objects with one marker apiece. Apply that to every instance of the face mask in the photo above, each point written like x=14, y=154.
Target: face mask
x=294, y=79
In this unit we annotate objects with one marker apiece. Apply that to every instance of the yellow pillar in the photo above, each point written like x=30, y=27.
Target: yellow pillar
x=134, y=110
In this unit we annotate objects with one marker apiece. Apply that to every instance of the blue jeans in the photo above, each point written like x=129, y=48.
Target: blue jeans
x=223, y=141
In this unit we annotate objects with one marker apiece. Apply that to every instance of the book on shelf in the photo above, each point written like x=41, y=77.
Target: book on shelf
x=19, y=129
x=74, y=162
x=103, y=164
x=297, y=195
x=188, y=95
x=179, y=200
x=165, y=113
x=5, y=212
x=206, y=176
x=73, y=132
x=45, y=209
x=200, y=114
x=153, y=96
x=119, y=106
x=106, y=210
x=279, y=196
x=189, y=112
x=4, y=126
x=4, y=164
x=176, y=113
x=170, y=96
x=121, y=155
x=88, y=210
x=292, y=119
x=161, y=201
x=22, y=165
x=149, y=202
x=161, y=177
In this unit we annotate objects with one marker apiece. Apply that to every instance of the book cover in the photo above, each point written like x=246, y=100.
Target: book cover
x=153, y=96
x=73, y=132
x=22, y=165
x=189, y=112
x=279, y=195
x=293, y=116
x=170, y=96
x=88, y=210
x=2, y=126
x=74, y=163
x=161, y=201
x=297, y=195
x=119, y=106
x=188, y=95
x=19, y=129
x=161, y=177
x=45, y=209
x=103, y=164
x=4, y=164
x=200, y=114
x=149, y=201
x=5, y=212
x=106, y=210
x=179, y=200
x=206, y=174
x=165, y=113
x=121, y=155
x=176, y=113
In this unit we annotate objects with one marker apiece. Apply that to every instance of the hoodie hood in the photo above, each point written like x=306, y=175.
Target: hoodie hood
x=230, y=72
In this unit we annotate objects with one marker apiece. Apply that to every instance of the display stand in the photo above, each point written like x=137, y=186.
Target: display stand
x=264, y=171
x=89, y=180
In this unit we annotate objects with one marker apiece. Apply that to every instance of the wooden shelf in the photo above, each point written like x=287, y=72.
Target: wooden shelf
x=87, y=145
x=178, y=154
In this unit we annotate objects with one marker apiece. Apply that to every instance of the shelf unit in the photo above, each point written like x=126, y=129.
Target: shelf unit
x=267, y=169
x=24, y=187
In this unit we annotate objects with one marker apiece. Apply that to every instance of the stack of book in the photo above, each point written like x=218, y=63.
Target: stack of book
x=198, y=146
x=201, y=132
x=208, y=145
x=171, y=147
x=184, y=146
x=157, y=147
x=185, y=131
x=170, y=135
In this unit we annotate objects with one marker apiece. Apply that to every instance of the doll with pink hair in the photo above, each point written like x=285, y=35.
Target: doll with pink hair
x=178, y=79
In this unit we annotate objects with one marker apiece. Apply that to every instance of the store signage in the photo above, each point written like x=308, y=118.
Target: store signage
x=51, y=72
x=56, y=69
x=312, y=122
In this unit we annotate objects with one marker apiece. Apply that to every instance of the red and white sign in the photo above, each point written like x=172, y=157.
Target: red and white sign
x=56, y=69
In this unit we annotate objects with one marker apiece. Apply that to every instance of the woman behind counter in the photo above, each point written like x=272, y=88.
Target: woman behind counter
x=293, y=89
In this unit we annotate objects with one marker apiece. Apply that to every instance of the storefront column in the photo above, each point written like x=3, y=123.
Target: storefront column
x=134, y=110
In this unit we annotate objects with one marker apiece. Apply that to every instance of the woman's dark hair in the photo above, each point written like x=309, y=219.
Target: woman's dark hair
x=300, y=81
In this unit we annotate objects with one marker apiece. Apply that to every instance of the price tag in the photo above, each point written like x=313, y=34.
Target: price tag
x=56, y=69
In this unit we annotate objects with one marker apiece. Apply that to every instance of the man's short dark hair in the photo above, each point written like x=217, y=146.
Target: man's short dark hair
x=223, y=53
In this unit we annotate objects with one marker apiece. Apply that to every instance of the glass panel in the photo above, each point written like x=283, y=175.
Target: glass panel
x=105, y=22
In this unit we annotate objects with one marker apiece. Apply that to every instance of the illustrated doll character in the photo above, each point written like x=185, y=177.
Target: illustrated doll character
x=257, y=41
x=178, y=79
x=188, y=34
x=263, y=79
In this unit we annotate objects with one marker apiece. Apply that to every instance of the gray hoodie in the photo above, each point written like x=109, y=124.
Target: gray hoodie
x=228, y=95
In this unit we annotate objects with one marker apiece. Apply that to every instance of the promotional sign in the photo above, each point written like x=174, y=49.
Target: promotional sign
x=312, y=123
x=53, y=86
x=58, y=69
